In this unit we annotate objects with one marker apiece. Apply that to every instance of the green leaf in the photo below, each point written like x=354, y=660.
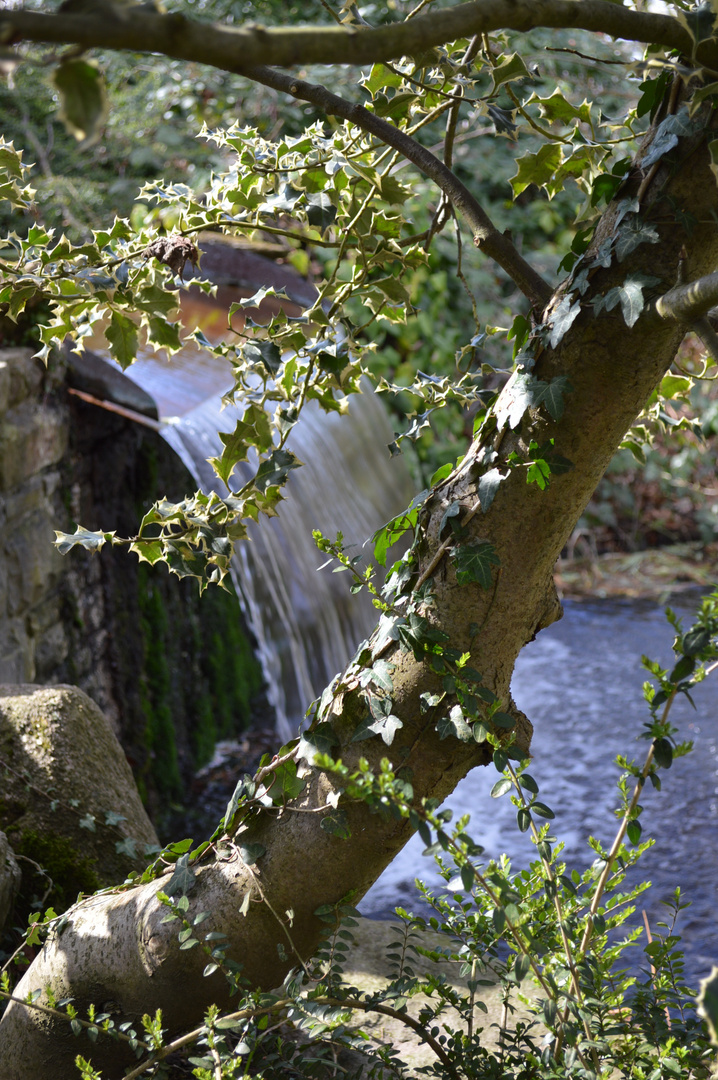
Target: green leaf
x=321, y=211
x=251, y=852
x=252, y=431
x=695, y=641
x=563, y=318
x=122, y=336
x=537, y=168
x=475, y=562
x=183, y=879
x=265, y=353
x=556, y=109
x=273, y=471
x=286, y=785
x=163, y=333
x=634, y=830
x=317, y=740
x=488, y=486
x=509, y=68
x=543, y=810
x=83, y=103
x=468, y=878
x=501, y=787
x=503, y=720
x=551, y=394
x=662, y=753
x=336, y=823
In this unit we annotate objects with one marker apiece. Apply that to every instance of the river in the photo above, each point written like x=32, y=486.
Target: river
x=580, y=682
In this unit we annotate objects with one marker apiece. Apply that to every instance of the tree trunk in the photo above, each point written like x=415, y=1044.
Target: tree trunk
x=116, y=952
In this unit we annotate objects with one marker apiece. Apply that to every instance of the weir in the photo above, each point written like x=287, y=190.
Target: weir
x=305, y=621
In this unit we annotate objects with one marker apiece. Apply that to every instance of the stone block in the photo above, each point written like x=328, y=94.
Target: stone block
x=21, y=376
x=32, y=437
x=51, y=649
x=34, y=565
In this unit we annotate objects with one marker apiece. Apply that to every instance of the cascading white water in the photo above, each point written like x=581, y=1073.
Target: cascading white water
x=306, y=622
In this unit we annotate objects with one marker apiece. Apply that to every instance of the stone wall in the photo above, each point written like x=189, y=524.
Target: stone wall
x=171, y=672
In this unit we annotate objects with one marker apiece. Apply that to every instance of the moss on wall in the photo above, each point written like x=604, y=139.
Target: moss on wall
x=66, y=872
x=173, y=670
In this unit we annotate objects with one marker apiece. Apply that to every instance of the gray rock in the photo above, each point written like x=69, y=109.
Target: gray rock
x=9, y=879
x=68, y=798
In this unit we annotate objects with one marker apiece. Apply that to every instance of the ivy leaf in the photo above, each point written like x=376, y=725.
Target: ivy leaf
x=318, y=740
x=454, y=724
x=488, y=486
x=629, y=295
x=633, y=232
x=183, y=879
x=551, y=395
x=83, y=103
x=563, y=318
x=474, y=562
x=286, y=785
x=91, y=541
x=666, y=138
x=251, y=852
x=515, y=399
x=336, y=823
x=127, y=847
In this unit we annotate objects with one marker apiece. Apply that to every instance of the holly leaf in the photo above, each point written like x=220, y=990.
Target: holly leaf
x=91, y=541
x=475, y=562
x=122, y=336
x=274, y=470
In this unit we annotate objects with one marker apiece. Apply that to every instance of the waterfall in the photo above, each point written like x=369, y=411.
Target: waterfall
x=305, y=621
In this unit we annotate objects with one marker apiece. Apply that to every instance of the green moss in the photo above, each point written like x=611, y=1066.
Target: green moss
x=70, y=872
x=155, y=691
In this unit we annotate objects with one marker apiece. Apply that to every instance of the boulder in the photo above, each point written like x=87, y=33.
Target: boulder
x=68, y=800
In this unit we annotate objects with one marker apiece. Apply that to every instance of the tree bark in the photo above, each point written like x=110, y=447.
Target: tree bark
x=116, y=952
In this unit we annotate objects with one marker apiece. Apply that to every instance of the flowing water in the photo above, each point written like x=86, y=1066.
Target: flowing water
x=580, y=682
x=305, y=621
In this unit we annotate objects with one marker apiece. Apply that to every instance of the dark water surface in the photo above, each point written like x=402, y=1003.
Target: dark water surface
x=580, y=683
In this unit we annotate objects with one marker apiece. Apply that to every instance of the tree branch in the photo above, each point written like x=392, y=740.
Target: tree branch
x=688, y=303
x=486, y=236
x=236, y=49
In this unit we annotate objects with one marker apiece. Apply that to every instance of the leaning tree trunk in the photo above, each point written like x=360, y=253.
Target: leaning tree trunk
x=115, y=950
